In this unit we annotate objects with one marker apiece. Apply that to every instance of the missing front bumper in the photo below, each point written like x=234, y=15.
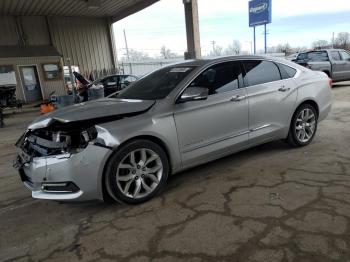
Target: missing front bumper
x=67, y=177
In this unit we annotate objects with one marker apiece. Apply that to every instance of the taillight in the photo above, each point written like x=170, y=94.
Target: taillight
x=307, y=66
x=330, y=81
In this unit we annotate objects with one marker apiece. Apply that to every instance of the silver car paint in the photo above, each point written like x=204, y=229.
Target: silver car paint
x=193, y=132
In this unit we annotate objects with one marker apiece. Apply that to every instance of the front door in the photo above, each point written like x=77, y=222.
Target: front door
x=30, y=83
x=337, y=66
x=210, y=128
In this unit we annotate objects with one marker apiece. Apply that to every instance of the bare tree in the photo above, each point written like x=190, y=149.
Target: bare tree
x=320, y=44
x=217, y=51
x=166, y=53
x=234, y=48
x=135, y=55
x=343, y=40
x=284, y=48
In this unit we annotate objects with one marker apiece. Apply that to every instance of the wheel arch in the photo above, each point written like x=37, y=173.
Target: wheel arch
x=310, y=102
x=154, y=139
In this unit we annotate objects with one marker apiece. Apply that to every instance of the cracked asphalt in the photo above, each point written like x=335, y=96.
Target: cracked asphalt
x=269, y=203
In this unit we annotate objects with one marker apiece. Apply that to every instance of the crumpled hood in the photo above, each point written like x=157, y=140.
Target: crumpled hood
x=98, y=111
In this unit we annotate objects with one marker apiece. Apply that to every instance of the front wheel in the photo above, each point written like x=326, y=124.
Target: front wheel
x=303, y=126
x=137, y=172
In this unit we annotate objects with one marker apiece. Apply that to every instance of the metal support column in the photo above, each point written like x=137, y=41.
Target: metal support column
x=265, y=38
x=111, y=40
x=192, y=29
x=254, y=42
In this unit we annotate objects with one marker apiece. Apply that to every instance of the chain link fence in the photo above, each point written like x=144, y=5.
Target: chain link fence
x=141, y=68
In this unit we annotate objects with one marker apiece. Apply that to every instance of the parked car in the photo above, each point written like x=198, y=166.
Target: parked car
x=124, y=147
x=334, y=62
x=114, y=83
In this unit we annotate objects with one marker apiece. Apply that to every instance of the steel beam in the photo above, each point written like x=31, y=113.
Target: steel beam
x=192, y=30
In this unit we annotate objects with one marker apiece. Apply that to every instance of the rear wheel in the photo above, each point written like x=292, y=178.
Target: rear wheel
x=137, y=172
x=303, y=126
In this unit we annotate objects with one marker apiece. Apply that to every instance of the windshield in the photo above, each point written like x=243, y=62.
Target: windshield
x=156, y=85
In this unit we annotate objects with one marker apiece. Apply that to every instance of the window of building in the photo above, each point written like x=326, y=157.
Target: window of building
x=52, y=71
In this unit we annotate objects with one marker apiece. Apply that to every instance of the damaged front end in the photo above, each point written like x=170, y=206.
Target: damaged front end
x=62, y=161
x=56, y=140
x=62, y=154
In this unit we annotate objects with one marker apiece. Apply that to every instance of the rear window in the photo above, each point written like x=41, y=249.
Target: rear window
x=286, y=71
x=260, y=72
x=335, y=55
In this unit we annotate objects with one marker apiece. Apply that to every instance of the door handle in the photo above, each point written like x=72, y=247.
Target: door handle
x=283, y=89
x=237, y=98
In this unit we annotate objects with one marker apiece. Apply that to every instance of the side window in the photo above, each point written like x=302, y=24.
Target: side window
x=259, y=72
x=286, y=71
x=345, y=55
x=302, y=56
x=219, y=78
x=318, y=56
x=335, y=55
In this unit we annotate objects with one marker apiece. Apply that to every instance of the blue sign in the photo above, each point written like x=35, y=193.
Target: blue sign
x=259, y=12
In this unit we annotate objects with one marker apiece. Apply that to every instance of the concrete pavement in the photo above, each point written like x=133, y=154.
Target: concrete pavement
x=269, y=203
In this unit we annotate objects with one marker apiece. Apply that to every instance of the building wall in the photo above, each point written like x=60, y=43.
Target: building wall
x=47, y=86
x=86, y=41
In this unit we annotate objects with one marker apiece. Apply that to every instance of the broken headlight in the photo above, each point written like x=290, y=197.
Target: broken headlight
x=45, y=142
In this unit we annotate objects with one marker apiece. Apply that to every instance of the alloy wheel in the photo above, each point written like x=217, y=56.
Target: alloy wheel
x=305, y=125
x=139, y=173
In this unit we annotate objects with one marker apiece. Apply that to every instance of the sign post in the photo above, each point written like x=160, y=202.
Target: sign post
x=259, y=14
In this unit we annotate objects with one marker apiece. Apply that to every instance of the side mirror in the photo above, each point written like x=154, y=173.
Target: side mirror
x=194, y=94
x=111, y=83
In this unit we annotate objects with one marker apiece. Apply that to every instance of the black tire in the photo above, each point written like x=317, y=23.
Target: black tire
x=292, y=138
x=111, y=185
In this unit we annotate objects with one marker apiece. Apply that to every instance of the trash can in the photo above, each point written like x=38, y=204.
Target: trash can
x=62, y=101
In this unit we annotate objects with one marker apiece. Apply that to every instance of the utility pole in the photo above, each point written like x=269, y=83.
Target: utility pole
x=213, y=44
x=333, y=40
x=127, y=51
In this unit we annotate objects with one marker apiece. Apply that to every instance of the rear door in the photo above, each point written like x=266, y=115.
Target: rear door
x=345, y=58
x=271, y=98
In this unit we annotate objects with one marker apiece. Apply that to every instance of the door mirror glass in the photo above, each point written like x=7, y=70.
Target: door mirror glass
x=111, y=83
x=194, y=94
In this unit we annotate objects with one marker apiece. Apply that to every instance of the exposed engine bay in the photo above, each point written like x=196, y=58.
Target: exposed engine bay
x=46, y=142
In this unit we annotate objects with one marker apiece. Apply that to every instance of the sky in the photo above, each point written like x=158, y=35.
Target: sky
x=297, y=22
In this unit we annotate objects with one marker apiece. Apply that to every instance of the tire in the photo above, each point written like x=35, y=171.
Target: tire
x=303, y=126
x=136, y=172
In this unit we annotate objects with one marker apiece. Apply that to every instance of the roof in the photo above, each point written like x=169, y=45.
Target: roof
x=201, y=62
x=28, y=51
x=114, y=9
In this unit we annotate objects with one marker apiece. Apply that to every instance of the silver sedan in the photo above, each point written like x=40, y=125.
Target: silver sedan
x=124, y=147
